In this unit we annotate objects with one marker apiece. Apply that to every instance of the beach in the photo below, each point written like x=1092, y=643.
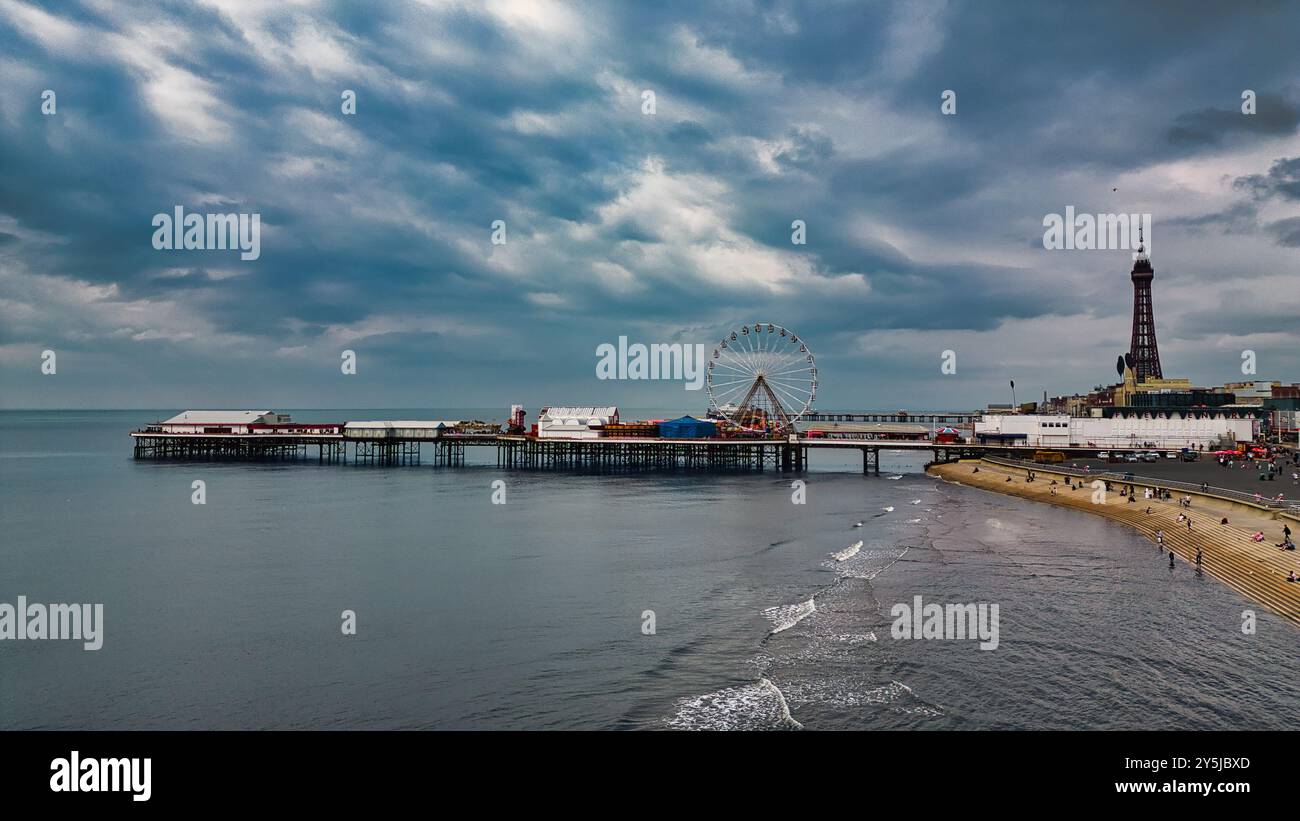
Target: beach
x=1257, y=570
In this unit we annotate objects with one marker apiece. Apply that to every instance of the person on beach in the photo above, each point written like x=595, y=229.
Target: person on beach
x=1148, y=510
x=1286, y=531
x=1189, y=522
x=1171, y=560
x=1291, y=576
x=1224, y=520
x=1160, y=540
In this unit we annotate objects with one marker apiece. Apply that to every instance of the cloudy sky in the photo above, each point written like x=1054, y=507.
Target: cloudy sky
x=924, y=230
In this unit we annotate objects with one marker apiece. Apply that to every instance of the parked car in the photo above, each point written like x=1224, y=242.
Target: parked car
x=1131, y=457
x=1190, y=456
x=1150, y=456
x=1171, y=455
x=1105, y=454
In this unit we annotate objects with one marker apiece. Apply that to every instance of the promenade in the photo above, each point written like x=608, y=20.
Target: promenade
x=1257, y=570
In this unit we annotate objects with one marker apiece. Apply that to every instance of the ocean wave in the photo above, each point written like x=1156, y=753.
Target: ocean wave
x=895, y=696
x=848, y=552
x=786, y=616
x=757, y=706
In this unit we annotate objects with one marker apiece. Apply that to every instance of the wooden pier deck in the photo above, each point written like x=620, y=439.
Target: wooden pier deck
x=1257, y=570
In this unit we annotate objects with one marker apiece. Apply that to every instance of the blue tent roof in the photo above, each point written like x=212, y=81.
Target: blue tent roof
x=687, y=427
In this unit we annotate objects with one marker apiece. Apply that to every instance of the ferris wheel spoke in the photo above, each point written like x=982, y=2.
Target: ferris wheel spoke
x=735, y=364
x=800, y=393
x=791, y=385
x=726, y=386
x=804, y=369
x=798, y=404
x=795, y=388
x=740, y=360
x=727, y=376
x=728, y=392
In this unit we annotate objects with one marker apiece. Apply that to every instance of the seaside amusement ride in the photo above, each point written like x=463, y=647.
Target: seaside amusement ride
x=762, y=379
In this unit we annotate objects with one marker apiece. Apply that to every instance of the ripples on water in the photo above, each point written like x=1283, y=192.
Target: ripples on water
x=530, y=614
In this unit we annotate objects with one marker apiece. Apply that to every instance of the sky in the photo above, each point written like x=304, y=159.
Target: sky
x=924, y=229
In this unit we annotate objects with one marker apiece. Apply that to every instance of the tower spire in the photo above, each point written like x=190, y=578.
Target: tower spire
x=1142, y=345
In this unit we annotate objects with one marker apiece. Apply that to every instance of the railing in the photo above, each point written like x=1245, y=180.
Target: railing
x=1291, y=505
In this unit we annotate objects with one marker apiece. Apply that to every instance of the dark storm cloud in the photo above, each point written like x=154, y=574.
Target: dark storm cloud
x=1282, y=180
x=1240, y=216
x=1211, y=126
x=1286, y=231
x=376, y=226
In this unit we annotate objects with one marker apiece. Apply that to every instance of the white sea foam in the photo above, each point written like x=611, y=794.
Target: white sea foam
x=757, y=706
x=848, y=552
x=895, y=696
x=788, y=615
x=853, y=638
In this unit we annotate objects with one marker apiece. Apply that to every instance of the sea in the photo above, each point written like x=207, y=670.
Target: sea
x=484, y=598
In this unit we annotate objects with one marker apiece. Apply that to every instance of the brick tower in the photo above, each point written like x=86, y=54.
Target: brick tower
x=1146, y=357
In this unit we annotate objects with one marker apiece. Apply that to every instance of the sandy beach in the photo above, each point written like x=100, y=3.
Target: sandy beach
x=1257, y=570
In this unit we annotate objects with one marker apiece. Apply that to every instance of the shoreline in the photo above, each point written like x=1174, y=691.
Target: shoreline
x=1256, y=570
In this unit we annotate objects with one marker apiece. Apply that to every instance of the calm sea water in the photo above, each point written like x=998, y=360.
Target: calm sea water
x=529, y=614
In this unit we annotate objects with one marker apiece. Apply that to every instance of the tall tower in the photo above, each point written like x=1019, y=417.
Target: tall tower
x=1146, y=357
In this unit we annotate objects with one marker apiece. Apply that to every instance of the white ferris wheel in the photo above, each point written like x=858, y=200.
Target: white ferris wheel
x=762, y=377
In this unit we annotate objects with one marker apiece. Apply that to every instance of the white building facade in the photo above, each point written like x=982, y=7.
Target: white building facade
x=199, y=421
x=1163, y=430
x=399, y=429
x=575, y=423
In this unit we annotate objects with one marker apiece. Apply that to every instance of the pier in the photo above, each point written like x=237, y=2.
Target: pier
x=516, y=451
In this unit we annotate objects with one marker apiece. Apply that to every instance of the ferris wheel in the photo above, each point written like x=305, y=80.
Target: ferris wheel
x=762, y=377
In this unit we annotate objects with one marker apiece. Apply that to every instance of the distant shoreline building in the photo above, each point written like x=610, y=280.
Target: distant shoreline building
x=1192, y=429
